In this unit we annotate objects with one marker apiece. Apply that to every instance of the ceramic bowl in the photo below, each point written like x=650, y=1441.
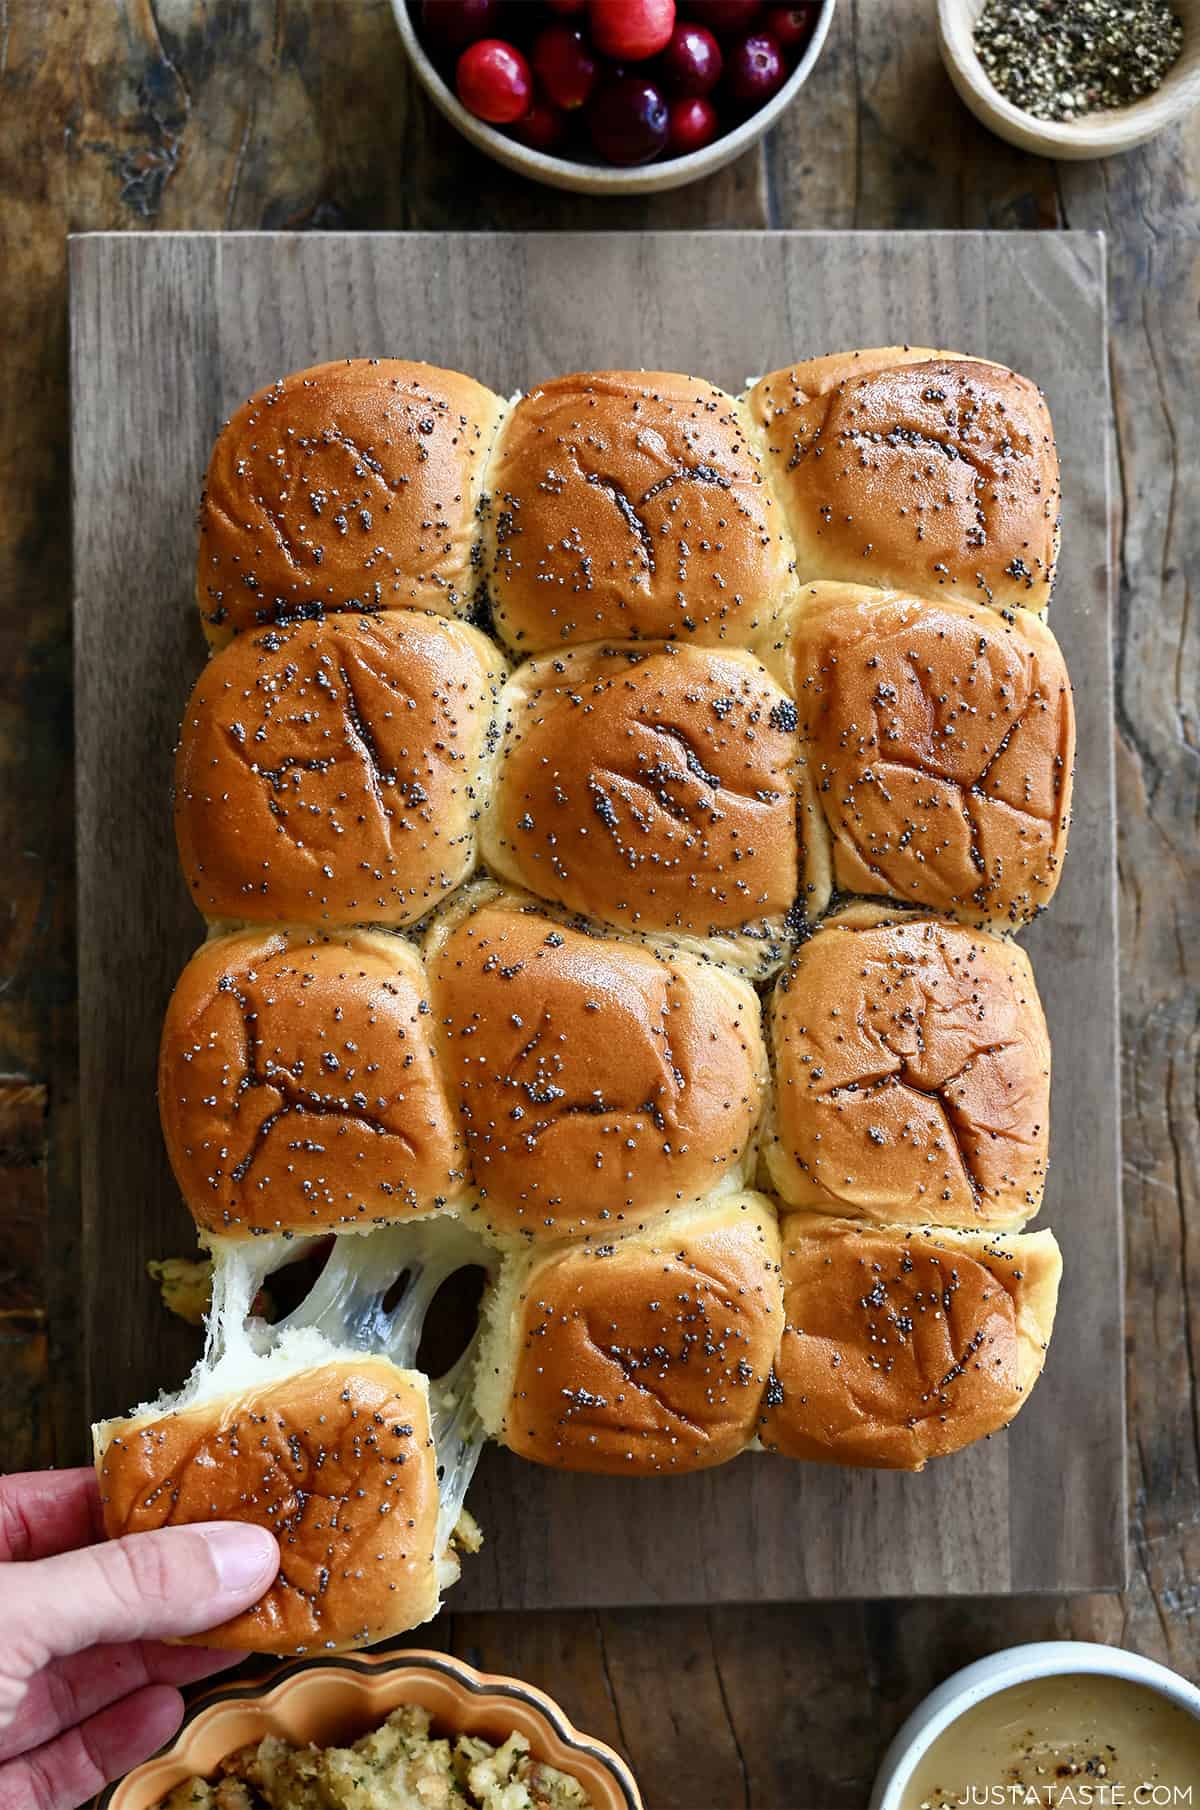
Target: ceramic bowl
x=339, y=1700
x=1099, y=134
x=1016, y=1665
x=604, y=178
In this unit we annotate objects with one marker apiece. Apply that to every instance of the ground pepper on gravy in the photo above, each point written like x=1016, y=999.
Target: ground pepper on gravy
x=1081, y=1740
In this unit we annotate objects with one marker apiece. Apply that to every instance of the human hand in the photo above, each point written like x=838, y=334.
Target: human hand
x=87, y=1690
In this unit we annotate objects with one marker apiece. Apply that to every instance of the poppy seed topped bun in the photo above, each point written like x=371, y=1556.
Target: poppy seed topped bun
x=643, y=1357
x=922, y=470
x=600, y=1084
x=337, y=1460
x=299, y=1088
x=651, y=787
x=905, y=1345
x=912, y=1074
x=331, y=772
x=631, y=504
x=937, y=741
x=353, y=485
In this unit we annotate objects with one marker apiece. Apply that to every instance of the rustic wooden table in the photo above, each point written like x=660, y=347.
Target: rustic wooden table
x=235, y=114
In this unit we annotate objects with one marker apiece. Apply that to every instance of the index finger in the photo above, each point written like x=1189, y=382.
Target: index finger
x=45, y=1512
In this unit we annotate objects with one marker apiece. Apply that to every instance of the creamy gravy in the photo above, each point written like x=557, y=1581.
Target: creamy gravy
x=1078, y=1740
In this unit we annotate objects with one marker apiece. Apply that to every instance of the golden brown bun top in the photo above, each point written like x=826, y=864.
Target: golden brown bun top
x=353, y=485
x=650, y=787
x=939, y=740
x=336, y=1461
x=329, y=773
x=598, y=1083
x=912, y=1074
x=940, y=475
x=299, y=1088
x=818, y=376
x=631, y=504
x=904, y=1345
x=652, y=1355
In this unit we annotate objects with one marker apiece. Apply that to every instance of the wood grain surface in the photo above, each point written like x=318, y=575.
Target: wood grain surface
x=177, y=329
x=285, y=114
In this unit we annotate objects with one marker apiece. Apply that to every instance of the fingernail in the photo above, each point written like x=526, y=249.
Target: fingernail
x=241, y=1556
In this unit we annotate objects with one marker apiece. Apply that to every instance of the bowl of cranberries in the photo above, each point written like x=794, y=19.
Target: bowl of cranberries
x=612, y=96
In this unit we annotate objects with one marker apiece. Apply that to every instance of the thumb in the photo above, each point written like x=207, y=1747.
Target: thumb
x=147, y=1586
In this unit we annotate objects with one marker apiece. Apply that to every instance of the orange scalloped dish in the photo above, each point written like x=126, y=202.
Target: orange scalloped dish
x=328, y=1702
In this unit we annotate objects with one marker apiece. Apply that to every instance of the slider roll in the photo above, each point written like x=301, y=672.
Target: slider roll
x=652, y=787
x=937, y=741
x=904, y=1345
x=351, y=486
x=645, y=1357
x=631, y=504
x=337, y=1460
x=299, y=1086
x=912, y=1075
x=333, y=772
x=601, y=1085
x=917, y=469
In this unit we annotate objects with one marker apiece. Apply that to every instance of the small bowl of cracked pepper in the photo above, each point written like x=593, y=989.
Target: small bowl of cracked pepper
x=1073, y=79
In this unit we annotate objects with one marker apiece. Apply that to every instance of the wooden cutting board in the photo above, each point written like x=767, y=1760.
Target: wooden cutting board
x=168, y=333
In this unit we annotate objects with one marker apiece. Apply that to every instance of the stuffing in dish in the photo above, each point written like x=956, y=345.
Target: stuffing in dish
x=400, y=1766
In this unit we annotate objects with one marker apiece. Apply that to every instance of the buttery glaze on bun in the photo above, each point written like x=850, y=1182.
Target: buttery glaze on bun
x=937, y=741
x=631, y=504
x=600, y=1084
x=331, y=772
x=649, y=1355
x=905, y=1345
x=653, y=788
x=912, y=1074
x=299, y=1087
x=917, y=469
x=337, y=1461
x=351, y=486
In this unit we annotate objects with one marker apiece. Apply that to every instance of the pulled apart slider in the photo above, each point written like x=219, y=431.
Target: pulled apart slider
x=321, y=1429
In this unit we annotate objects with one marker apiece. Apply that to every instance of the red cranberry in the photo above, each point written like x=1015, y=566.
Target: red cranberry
x=543, y=128
x=628, y=120
x=632, y=29
x=725, y=16
x=692, y=124
x=564, y=65
x=493, y=82
x=567, y=8
x=692, y=60
x=450, y=25
x=754, y=69
x=791, y=26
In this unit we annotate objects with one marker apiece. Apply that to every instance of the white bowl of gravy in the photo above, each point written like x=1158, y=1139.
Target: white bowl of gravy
x=1061, y=1723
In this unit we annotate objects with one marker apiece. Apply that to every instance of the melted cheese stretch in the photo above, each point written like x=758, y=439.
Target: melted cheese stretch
x=345, y=1305
x=343, y=1316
